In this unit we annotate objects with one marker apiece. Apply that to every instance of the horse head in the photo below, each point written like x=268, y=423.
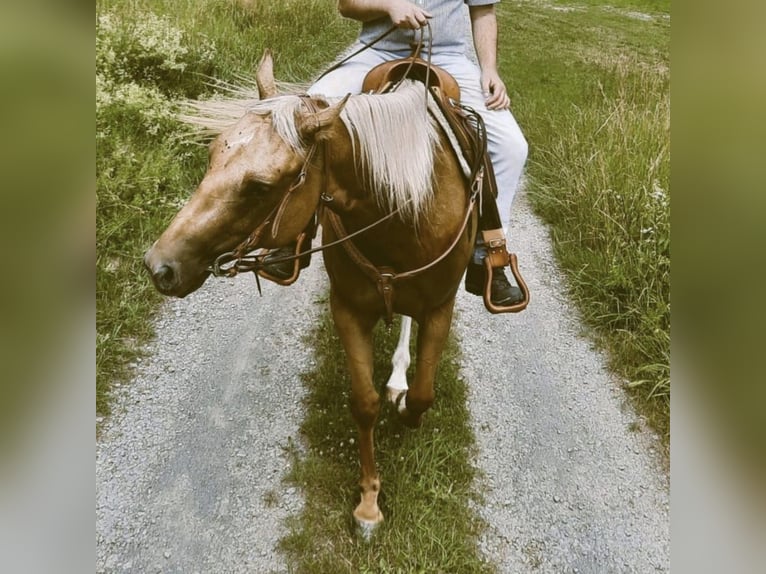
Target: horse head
x=252, y=166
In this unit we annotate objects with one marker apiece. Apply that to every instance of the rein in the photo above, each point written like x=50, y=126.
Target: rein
x=379, y=38
x=236, y=261
x=417, y=48
x=385, y=277
x=242, y=262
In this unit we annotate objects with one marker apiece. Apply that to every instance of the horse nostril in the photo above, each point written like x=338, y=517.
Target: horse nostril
x=164, y=276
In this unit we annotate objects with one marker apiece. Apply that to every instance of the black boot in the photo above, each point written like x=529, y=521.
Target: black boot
x=474, y=279
x=502, y=293
x=284, y=269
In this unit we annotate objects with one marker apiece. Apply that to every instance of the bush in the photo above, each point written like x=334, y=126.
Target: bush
x=143, y=168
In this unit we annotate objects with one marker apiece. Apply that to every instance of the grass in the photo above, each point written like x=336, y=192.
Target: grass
x=590, y=88
x=428, y=481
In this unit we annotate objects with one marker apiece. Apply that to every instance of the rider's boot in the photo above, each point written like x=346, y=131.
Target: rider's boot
x=501, y=290
x=502, y=293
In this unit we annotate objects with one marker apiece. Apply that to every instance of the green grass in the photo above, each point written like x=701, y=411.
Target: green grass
x=590, y=88
x=428, y=481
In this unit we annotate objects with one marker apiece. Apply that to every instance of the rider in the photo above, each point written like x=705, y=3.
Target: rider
x=480, y=88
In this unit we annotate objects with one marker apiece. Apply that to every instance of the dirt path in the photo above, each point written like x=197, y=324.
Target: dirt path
x=574, y=479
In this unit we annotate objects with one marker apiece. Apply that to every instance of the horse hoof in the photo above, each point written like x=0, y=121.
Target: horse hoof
x=411, y=421
x=365, y=529
x=399, y=401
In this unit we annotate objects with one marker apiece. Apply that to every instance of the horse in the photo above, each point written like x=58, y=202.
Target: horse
x=375, y=163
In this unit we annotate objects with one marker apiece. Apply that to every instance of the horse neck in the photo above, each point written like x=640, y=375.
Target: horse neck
x=344, y=184
x=358, y=206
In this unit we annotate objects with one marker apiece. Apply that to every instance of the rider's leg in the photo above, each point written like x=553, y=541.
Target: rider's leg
x=507, y=149
x=506, y=144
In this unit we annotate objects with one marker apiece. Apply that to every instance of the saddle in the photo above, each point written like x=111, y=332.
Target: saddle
x=470, y=134
x=384, y=76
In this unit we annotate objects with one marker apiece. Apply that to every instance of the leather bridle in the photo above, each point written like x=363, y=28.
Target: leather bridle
x=241, y=260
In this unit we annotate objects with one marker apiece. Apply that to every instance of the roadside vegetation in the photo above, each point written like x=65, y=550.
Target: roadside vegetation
x=590, y=88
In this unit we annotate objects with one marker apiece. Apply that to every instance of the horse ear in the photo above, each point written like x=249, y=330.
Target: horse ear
x=264, y=76
x=313, y=124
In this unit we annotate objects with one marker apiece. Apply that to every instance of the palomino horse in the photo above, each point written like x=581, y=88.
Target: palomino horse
x=361, y=157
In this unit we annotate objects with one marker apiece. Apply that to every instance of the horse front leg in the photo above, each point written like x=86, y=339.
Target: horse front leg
x=355, y=332
x=433, y=330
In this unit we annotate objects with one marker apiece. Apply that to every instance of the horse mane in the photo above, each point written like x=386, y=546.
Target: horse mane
x=394, y=141
x=393, y=138
x=209, y=118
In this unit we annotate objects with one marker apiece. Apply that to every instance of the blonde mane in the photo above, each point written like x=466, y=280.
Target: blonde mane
x=209, y=118
x=393, y=138
x=396, y=141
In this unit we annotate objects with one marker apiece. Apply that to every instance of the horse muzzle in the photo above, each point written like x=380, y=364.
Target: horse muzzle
x=168, y=276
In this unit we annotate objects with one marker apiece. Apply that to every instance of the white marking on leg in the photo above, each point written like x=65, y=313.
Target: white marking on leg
x=397, y=382
x=366, y=529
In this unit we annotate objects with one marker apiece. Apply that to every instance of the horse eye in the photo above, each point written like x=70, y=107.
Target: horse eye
x=257, y=187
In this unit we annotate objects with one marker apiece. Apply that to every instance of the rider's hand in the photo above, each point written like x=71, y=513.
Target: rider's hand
x=495, y=94
x=408, y=15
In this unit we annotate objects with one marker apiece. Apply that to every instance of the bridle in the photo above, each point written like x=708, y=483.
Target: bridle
x=240, y=259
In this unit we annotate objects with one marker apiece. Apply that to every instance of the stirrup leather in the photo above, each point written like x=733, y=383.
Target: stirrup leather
x=498, y=257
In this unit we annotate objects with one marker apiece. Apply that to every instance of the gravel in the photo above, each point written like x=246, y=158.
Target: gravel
x=189, y=467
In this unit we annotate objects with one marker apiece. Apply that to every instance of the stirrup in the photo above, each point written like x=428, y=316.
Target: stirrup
x=498, y=257
x=296, y=266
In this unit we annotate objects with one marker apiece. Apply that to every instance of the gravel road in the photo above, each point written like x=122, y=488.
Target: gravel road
x=189, y=467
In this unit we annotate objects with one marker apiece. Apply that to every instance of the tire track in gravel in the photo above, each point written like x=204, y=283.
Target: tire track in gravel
x=189, y=467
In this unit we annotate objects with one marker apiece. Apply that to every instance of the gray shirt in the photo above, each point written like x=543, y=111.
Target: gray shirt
x=447, y=26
